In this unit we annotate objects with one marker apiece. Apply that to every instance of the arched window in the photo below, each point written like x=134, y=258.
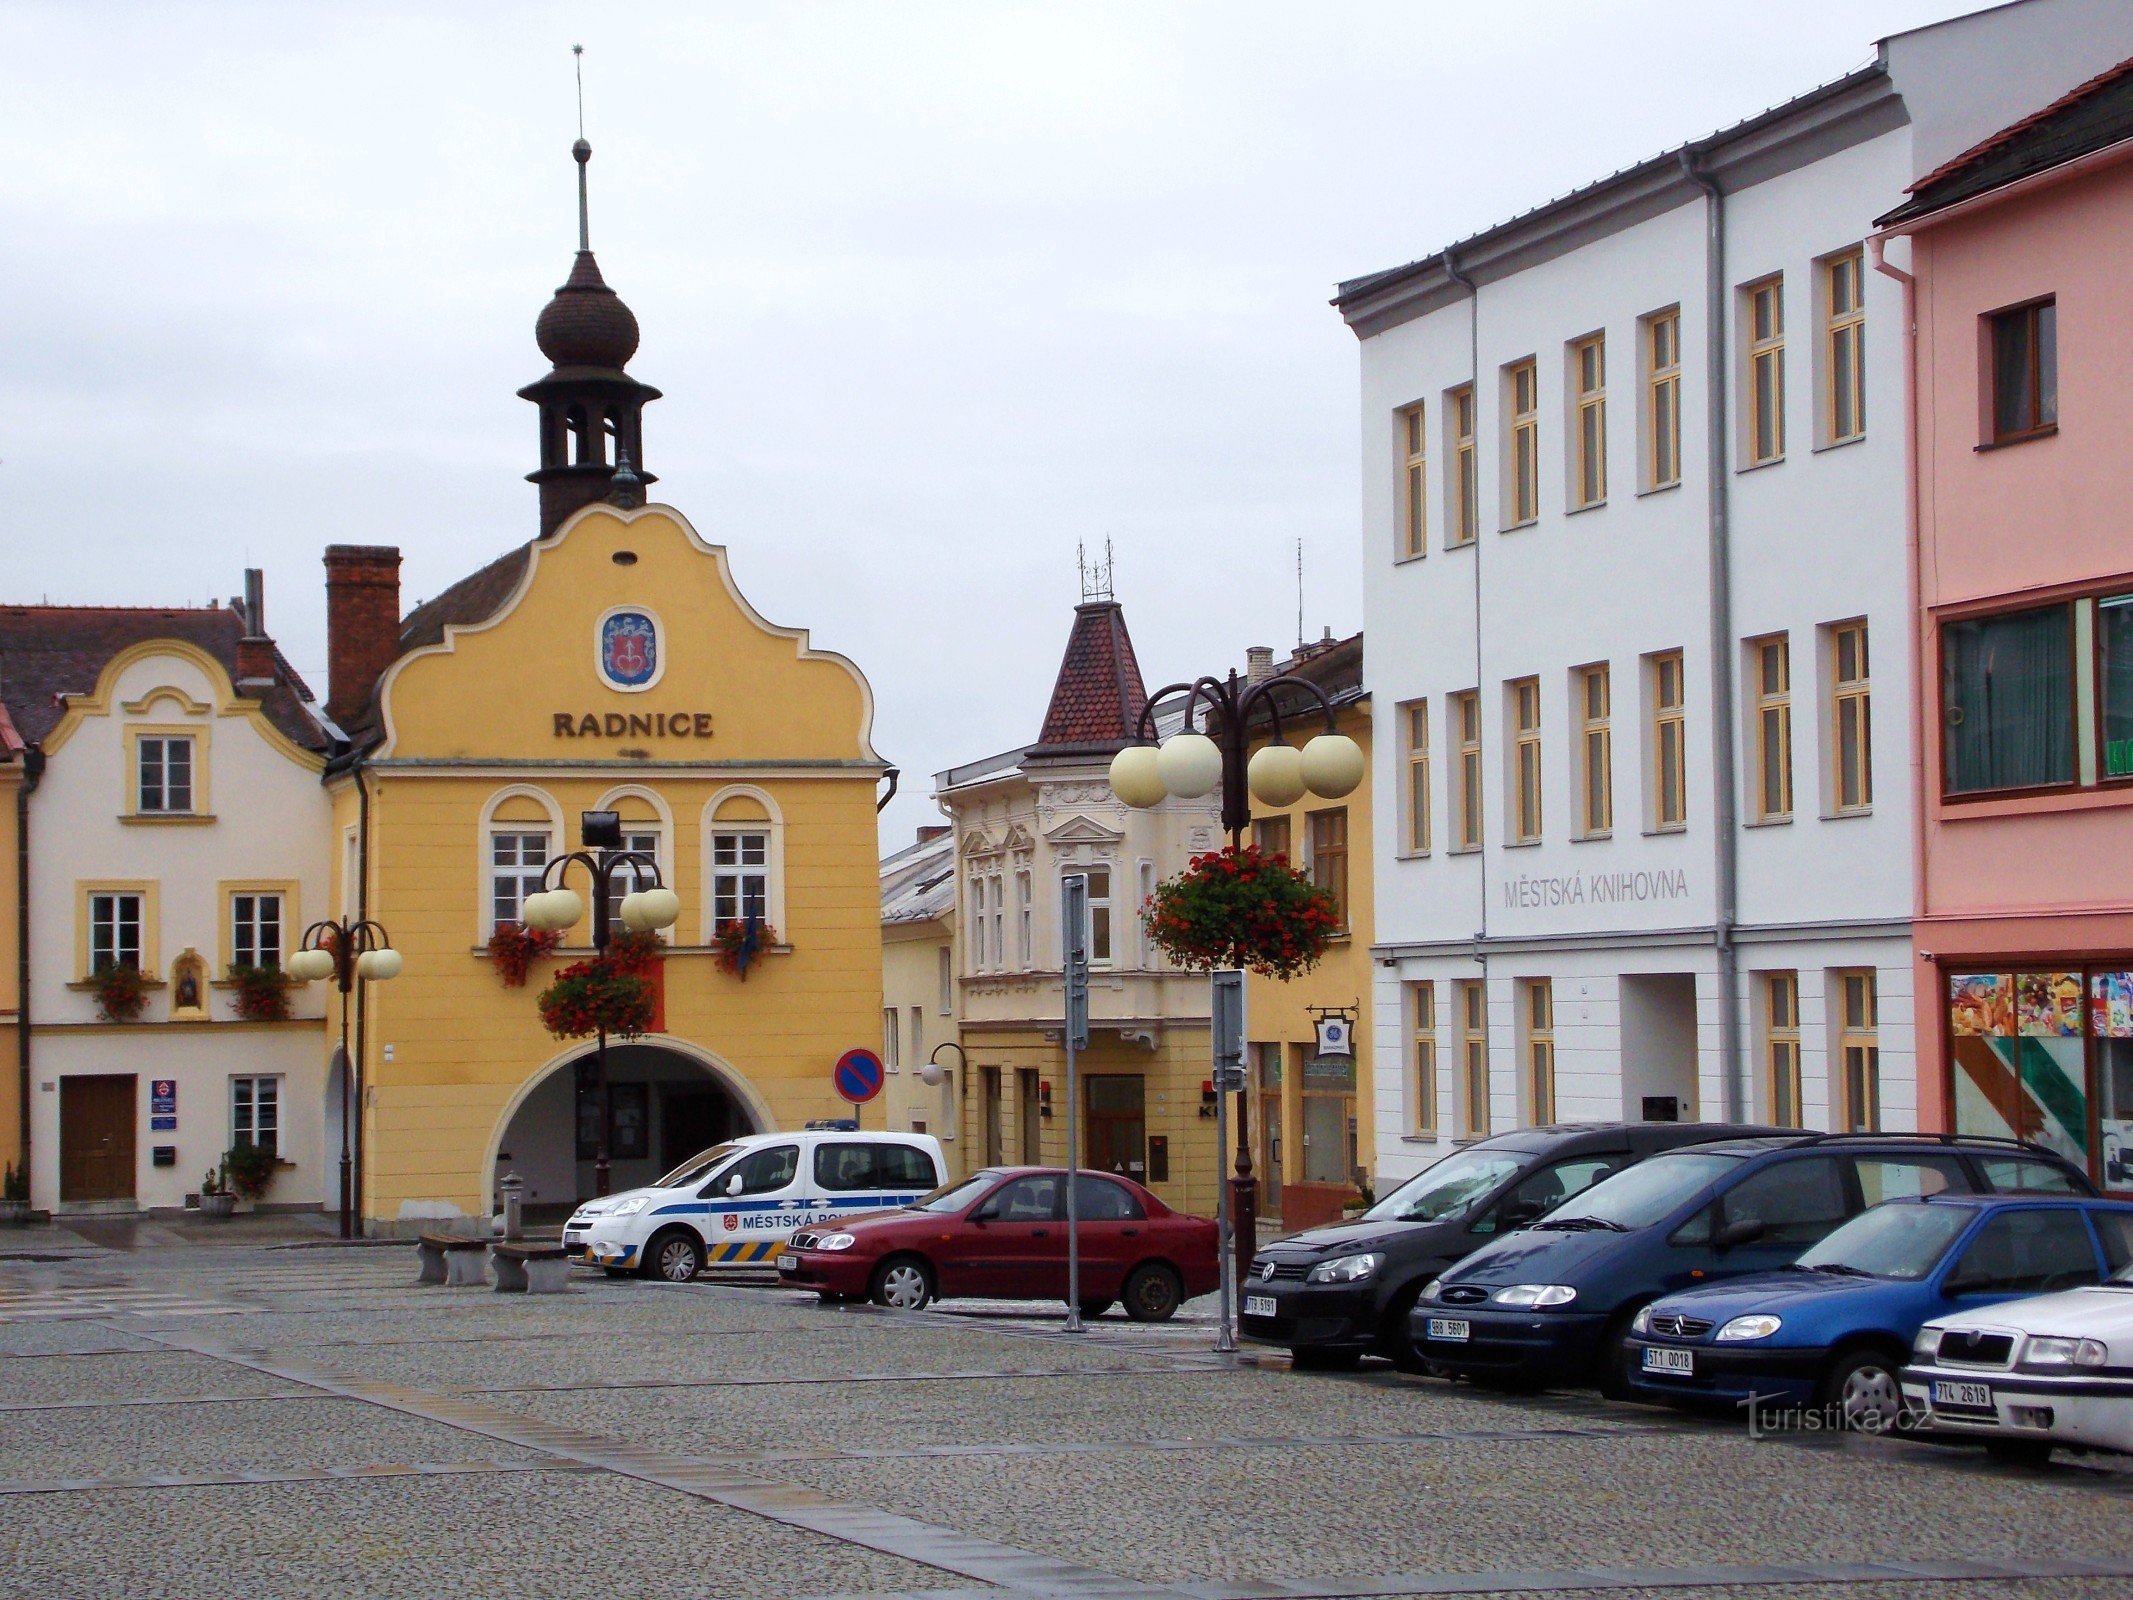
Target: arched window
x=744, y=860
x=519, y=830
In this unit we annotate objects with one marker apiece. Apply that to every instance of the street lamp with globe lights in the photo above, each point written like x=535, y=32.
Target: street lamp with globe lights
x=1190, y=765
x=642, y=910
x=347, y=951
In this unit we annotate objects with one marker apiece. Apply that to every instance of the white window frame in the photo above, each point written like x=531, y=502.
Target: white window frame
x=250, y=1094
x=115, y=947
x=727, y=882
x=248, y=924
x=524, y=876
x=160, y=805
x=1100, y=903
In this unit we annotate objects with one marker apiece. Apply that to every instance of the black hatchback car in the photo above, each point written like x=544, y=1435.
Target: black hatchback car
x=1554, y=1304
x=1335, y=1293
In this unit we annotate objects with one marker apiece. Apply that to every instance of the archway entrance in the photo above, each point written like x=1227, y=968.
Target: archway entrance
x=665, y=1107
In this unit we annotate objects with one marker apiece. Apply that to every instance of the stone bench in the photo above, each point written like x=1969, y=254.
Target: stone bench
x=451, y=1260
x=531, y=1268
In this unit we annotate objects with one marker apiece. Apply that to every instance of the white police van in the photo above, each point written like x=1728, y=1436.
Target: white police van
x=736, y=1203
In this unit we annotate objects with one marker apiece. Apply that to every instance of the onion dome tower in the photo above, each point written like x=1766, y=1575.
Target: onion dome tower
x=592, y=412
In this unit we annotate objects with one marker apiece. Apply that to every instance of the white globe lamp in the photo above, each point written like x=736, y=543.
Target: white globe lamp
x=378, y=965
x=561, y=908
x=1135, y=778
x=308, y=966
x=1276, y=775
x=1332, y=765
x=1190, y=765
x=658, y=908
x=931, y=1073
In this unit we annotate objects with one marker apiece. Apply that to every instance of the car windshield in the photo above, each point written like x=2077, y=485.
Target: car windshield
x=1641, y=1195
x=955, y=1196
x=1449, y=1189
x=1892, y=1241
x=695, y=1167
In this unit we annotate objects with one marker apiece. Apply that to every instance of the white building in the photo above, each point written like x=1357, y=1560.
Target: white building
x=1644, y=844
x=178, y=827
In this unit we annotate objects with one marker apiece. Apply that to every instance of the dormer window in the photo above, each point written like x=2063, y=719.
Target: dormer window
x=165, y=773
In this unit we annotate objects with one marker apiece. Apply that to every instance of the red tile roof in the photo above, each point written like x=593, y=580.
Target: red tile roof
x=2016, y=130
x=1098, y=695
x=47, y=652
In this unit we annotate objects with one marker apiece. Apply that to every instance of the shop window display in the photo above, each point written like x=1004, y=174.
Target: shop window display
x=2030, y=1060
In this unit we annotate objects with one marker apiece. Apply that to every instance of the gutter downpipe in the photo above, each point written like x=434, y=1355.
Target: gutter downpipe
x=362, y=990
x=1927, y=1004
x=1473, y=383
x=1733, y=1079
x=32, y=771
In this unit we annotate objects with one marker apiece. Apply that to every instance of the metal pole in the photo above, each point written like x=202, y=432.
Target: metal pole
x=1225, y=1335
x=342, y=958
x=1073, y=1320
x=600, y=935
x=1074, y=1015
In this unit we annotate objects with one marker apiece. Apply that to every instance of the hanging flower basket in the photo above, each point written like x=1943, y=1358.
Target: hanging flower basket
x=262, y=993
x=739, y=943
x=513, y=950
x=614, y=991
x=1237, y=908
x=121, y=992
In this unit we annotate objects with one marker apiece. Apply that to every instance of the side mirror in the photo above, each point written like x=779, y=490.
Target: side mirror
x=1514, y=1214
x=1745, y=1231
x=733, y=1184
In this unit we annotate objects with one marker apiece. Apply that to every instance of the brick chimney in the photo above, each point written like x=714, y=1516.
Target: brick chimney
x=362, y=625
x=1258, y=663
x=929, y=832
x=255, y=650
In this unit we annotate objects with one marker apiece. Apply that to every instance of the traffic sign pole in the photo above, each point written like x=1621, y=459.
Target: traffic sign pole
x=1227, y=1016
x=1074, y=964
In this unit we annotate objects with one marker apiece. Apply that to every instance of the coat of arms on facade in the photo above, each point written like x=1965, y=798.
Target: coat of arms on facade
x=629, y=649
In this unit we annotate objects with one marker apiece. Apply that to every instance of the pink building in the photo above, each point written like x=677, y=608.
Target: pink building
x=2021, y=282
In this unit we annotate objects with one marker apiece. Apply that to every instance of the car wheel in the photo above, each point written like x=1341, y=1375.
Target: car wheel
x=1313, y=1358
x=1092, y=1309
x=1613, y=1374
x=1152, y=1293
x=1861, y=1391
x=902, y=1283
x=1396, y=1342
x=2020, y=1452
x=675, y=1256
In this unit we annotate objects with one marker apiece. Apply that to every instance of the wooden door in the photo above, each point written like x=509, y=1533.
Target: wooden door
x=1118, y=1126
x=96, y=1120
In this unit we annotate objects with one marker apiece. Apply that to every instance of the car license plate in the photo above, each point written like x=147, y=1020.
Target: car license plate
x=1259, y=1305
x=1976, y=1396
x=788, y=1263
x=1657, y=1360
x=1456, y=1329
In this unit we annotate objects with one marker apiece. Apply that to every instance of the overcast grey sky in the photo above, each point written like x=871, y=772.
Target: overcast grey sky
x=933, y=290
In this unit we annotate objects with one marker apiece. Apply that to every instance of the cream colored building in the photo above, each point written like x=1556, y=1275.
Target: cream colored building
x=919, y=993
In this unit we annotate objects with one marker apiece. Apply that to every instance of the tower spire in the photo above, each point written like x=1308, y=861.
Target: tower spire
x=581, y=152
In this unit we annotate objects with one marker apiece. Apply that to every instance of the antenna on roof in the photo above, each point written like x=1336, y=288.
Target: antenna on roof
x=1299, y=591
x=581, y=152
x=1095, y=576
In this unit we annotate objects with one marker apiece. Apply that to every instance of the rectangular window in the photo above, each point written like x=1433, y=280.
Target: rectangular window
x=999, y=921
x=1525, y=697
x=2114, y=670
x=114, y=931
x=1025, y=933
x=1781, y=1046
x=740, y=876
x=1844, y=347
x=1422, y=1058
x=1662, y=399
x=1271, y=835
x=1522, y=392
x=1414, y=485
x=1329, y=854
x=166, y=774
x=1466, y=719
x=1588, y=359
x=2007, y=700
x=1596, y=758
x=1773, y=728
x=255, y=930
x=516, y=861
x=1474, y=1056
x=892, y=1055
x=1539, y=1019
x=255, y=1113
x=1851, y=718
x=627, y=880
x=1099, y=915
x=1414, y=726
x=1466, y=484
x=918, y=1033
x=1859, y=1054
x=1766, y=370
x=1670, y=799
x=944, y=964
x=2025, y=371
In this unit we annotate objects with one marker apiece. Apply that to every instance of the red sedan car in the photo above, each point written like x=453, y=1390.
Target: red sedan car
x=1001, y=1234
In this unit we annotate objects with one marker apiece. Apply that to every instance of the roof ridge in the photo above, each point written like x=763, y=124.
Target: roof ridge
x=2014, y=130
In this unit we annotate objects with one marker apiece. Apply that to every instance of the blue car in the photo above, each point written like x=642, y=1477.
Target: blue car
x=1835, y=1329
x=1553, y=1304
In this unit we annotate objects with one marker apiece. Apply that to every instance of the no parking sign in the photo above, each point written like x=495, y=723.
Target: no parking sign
x=857, y=1076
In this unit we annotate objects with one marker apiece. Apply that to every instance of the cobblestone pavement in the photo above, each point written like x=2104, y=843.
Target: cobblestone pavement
x=266, y=1413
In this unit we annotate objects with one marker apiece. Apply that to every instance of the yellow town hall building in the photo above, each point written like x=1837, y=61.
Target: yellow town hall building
x=610, y=664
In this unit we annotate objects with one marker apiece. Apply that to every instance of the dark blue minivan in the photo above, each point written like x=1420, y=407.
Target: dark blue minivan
x=1553, y=1304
